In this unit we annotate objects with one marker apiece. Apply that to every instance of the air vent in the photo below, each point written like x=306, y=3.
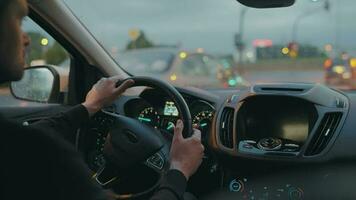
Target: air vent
x=324, y=133
x=282, y=89
x=226, y=127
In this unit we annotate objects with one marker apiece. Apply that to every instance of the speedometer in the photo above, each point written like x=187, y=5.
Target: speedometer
x=149, y=116
x=203, y=120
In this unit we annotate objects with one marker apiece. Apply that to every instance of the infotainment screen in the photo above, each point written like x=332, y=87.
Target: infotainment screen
x=170, y=109
x=276, y=117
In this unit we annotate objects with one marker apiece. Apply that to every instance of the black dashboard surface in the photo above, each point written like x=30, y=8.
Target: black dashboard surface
x=258, y=169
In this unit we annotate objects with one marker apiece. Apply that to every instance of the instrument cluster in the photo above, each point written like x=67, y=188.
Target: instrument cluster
x=163, y=115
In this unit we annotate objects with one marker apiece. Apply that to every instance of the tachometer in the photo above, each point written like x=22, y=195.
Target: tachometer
x=149, y=116
x=203, y=120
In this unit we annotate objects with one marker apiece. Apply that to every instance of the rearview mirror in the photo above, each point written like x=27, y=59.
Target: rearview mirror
x=267, y=3
x=40, y=84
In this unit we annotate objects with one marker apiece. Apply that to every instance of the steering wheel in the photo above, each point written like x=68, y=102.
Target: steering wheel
x=131, y=143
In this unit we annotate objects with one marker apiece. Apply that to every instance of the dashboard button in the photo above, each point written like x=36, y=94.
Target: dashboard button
x=270, y=144
x=236, y=186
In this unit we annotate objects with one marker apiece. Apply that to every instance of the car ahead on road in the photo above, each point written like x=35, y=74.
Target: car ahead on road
x=340, y=72
x=179, y=67
x=267, y=141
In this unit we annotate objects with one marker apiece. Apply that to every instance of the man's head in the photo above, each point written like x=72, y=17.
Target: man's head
x=12, y=40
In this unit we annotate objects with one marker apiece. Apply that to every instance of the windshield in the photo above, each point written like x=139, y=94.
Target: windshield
x=147, y=62
x=223, y=44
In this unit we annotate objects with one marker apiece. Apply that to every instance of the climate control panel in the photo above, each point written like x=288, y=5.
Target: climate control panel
x=245, y=189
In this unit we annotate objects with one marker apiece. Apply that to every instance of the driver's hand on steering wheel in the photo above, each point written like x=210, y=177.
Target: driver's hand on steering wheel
x=186, y=153
x=104, y=93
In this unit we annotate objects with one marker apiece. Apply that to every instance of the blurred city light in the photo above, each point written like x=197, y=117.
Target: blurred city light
x=262, y=43
x=339, y=69
x=328, y=47
x=232, y=82
x=200, y=50
x=285, y=50
x=328, y=63
x=173, y=77
x=134, y=33
x=249, y=55
x=293, y=54
x=44, y=41
x=353, y=62
x=346, y=75
x=239, y=79
x=183, y=55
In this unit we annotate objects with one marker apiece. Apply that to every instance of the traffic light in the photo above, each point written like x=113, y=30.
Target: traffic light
x=238, y=41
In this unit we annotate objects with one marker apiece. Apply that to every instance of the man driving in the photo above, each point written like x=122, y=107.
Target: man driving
x=38, y=161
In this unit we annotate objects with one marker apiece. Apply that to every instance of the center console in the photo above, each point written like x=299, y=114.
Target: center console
x=274, y=125
x=281, y=134
x=280, y=122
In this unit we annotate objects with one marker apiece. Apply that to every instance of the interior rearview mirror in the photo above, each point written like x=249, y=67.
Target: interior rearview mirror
x=39, y=84
x=267, y=3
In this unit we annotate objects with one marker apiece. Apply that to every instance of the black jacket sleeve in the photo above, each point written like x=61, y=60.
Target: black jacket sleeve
x=172, y=186
x=42, y=165
x=65, y=123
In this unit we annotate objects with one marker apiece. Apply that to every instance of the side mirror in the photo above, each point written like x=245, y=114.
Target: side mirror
x=267, y=3
x=39, y=84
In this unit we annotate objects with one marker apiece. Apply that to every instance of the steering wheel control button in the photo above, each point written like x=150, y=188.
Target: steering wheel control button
x=236, y=186
x=105, y=175
x=156, y=161
x=270, y=144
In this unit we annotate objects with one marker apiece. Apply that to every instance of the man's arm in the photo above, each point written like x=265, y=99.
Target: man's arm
x=103, y=93
x=186, y=156
x=65, y=123
x=172, y=187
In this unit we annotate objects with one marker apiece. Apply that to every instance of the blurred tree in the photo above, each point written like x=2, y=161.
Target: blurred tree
x=55, y=54
x=140, y=42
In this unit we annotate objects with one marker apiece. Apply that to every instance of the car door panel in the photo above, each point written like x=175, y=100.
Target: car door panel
x=32, y=113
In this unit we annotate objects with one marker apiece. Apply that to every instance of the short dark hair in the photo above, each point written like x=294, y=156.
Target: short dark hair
x=3, y=6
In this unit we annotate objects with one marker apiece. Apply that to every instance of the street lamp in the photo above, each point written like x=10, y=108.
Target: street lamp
x=44, y=41
x=239, y=36
x=326, y=7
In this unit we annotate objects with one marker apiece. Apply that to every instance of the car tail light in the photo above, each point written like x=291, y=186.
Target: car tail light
x=328, y=63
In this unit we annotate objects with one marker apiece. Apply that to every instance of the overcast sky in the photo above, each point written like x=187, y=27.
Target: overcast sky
x=211, y=24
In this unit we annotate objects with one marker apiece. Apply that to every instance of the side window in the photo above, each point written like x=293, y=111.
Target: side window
x=43, y=50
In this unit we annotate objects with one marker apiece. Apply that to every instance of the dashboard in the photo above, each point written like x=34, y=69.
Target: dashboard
x=264, y=142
